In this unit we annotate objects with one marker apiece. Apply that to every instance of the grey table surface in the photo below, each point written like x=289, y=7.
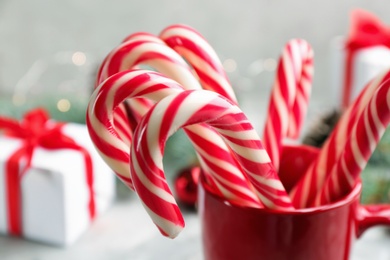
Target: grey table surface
x=125, y=232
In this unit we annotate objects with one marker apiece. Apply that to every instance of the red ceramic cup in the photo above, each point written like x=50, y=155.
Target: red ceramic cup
x=326, y=232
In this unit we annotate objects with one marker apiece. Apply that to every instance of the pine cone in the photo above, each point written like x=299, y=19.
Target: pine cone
x=321, y=129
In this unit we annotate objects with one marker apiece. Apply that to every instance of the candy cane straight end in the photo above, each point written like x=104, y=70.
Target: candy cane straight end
x=173, y=232
x=166, y=227
x=289, y=97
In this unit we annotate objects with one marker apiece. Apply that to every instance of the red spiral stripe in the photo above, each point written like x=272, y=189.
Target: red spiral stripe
x=289, y=98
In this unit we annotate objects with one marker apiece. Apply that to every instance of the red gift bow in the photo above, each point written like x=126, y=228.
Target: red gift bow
x=35, y=131
x=366, y=31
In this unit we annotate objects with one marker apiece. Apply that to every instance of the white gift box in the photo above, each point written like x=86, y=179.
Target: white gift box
x=368, y=63
x=55, y=193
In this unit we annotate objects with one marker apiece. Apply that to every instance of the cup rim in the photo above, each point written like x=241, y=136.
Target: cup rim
x=346, y=200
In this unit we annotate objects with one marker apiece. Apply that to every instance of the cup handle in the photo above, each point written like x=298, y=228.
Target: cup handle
x=372, y=215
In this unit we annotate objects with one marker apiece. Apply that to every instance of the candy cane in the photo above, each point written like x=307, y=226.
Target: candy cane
x=100, y=114
x=225, y=177
x=144, y=49
x=139, y=36
x=289, y=97
x=306, y=190
x=190, y=44
x=151, y=53
x=187, y=108
x=361, y=143
x=140, y=106
x=127, y=114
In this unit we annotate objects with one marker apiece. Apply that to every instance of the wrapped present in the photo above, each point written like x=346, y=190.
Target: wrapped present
x=52, y=181
x=360, y=57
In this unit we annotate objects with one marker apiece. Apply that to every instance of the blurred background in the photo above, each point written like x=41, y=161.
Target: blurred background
x=50, y=52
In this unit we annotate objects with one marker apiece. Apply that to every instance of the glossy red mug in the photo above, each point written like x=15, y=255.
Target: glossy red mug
x=326, y=232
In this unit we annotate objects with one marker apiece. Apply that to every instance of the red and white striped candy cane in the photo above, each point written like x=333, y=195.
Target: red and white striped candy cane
x=127, y=114
x=311, y=184
x=142, y=49
x=137, y=107
x=100, y=113
x=190, y=44
x=289, y=98
x=184, y=109
x=223, y=173
x=152, y=53
x=365, y=135
x=226, y=177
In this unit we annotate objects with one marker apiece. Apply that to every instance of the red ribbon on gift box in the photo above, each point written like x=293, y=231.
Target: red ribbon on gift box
x=35, y=130
x=366, y=31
